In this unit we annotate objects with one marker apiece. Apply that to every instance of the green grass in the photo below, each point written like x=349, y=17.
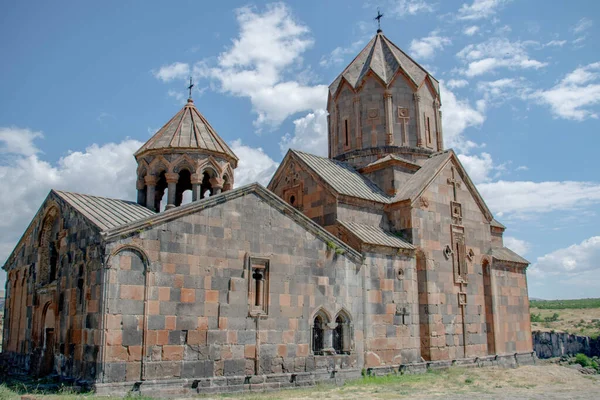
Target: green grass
x=565, y=304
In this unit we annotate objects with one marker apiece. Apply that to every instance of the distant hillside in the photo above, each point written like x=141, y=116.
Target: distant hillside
x=565, y=304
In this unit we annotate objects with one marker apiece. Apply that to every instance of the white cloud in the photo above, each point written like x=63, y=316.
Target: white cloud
x=480, y=9
x=106, y=170
x=478, y=167
x=254, y=165
x=497, y=53
x=519, y=246
x=338, y=55
x=177, y=70
x=268, y=49
x=401, y=8
x=425, y=47
x=177, y=95
x=582, y=25
x=555, y=43
x=471, y=30
x=499, y=91
x=571, y=261
x=457, y=83
x=573, y=96
x=310, y=134
x=458, y=115
x=18, y=141
x=524, y=198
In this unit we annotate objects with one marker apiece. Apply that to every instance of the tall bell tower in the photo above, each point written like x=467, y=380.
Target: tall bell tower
x=383, y=103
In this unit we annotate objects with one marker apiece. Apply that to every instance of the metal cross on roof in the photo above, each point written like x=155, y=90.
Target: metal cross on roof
x=378, y=18
x=190, y=87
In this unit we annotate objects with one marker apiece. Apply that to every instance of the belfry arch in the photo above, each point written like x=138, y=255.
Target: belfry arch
x=185, y=155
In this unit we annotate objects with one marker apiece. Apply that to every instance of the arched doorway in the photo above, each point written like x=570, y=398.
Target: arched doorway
x=48, y=339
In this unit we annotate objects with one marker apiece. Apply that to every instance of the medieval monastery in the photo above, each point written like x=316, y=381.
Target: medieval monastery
x=381, y=256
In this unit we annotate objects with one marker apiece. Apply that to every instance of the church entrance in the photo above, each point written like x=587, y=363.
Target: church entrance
x=48, y=341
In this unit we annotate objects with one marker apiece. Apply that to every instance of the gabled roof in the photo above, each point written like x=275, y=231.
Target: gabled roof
x=385, y=60
x=421, y=179
x=342, y=178
x=390, y=159
x=188, y=129
x=375, y=235
x=104, y=212
x=506, y=254
x=254, y=188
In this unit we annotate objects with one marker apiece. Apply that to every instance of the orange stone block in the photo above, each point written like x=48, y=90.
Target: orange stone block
x=196, y=337
x=164, y=293
x=284, y=300
x=211, y=296
x=202, y=323
x=250, y=351
x=222, y=322
x=188, y=295
x=153, y=307
x=135, y=353
x=232, y=337
x=172, y=353
x=281, y=350
x=170, y=322
x=114, y=337
x=162, y=337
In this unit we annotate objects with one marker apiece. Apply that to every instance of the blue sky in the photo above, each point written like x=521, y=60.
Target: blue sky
x=83, y=84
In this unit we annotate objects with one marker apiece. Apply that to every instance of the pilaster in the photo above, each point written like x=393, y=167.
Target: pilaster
x=420, y=141
x=389, y=121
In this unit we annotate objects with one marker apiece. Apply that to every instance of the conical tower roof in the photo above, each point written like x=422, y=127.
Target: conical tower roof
x=385, y=60
x=188, y=130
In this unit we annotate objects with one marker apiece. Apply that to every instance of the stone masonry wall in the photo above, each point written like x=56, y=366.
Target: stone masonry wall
x=392, y=331
x=193, y=319
x=512, y=325
x=311, y=198
x=443, y=320
x=69, y=305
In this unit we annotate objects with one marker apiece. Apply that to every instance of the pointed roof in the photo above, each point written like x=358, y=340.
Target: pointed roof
x=187, y=130
x=384, y=59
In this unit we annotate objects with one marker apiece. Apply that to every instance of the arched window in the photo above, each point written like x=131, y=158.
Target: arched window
x=320, y=322
x=342, y=334
x=318, y=335
x=48, y=247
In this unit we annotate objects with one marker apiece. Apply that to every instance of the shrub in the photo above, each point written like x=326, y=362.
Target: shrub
x=586, y=362
x=553, y=318
x=536, y=317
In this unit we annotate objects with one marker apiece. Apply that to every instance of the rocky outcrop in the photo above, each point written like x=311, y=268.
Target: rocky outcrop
x=557, y=344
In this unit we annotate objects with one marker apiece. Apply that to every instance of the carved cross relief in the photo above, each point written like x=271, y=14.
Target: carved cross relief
x=403, y=118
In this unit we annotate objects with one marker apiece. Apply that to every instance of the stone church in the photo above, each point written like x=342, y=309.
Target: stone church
x=382, y=255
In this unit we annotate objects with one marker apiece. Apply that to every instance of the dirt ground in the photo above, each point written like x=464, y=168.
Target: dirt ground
x=579, y=321
x=543, y=381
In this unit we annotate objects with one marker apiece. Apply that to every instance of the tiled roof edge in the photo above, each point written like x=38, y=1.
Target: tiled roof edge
x=255, y=188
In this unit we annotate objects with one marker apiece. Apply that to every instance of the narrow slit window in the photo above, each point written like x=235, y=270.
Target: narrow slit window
x=258, y=293
x=346, y=132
